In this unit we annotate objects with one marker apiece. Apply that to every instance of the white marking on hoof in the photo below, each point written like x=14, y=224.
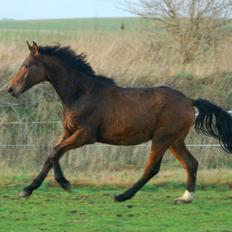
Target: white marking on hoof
x=24, y=194
x=186, y=198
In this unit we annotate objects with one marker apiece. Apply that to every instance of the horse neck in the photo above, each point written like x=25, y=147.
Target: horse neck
x=69, y=84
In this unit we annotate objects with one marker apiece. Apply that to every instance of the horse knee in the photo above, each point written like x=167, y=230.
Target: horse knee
x=48, y=163
x=55, y=155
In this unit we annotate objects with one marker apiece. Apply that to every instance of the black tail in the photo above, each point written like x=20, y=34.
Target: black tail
x=212, y=120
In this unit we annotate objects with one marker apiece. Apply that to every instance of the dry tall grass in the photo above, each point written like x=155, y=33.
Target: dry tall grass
x=132, y=59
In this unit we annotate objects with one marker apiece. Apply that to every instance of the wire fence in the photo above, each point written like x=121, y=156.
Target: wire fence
x=93, y=145
x=25, y=146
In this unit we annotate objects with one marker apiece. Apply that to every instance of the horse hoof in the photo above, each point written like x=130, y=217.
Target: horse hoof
x=182, y=201
x=24, y=194
x=120, y=198
x=67, y=187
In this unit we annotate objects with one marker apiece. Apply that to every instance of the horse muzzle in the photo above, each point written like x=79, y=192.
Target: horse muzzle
x=13, y=92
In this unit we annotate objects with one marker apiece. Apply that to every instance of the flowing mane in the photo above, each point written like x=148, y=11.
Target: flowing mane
x=73, y=60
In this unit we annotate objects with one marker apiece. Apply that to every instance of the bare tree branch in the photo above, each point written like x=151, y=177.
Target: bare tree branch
x=190, y=23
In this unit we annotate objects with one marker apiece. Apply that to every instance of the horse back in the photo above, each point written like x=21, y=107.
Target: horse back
x=132, y=115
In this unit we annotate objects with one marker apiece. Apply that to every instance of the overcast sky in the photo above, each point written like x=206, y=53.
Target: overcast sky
x=46, y=9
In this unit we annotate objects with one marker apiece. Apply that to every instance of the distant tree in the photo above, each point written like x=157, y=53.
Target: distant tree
x=190, y=24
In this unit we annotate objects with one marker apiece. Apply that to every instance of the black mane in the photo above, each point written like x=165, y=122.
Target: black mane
x=73, y=60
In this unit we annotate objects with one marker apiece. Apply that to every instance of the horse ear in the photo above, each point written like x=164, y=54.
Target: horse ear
x=36, y=49
x=29, y=47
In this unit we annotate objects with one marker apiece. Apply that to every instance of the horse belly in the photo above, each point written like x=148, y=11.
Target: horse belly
x=127, y=135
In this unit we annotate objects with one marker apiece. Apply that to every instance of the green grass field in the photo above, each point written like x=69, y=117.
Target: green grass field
x=92, y=209
x=64, y=30
x=91, y=24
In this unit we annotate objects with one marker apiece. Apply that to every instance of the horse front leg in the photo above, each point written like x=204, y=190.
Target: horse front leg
x=60, y=178
x=58, y=173
x=77, y=139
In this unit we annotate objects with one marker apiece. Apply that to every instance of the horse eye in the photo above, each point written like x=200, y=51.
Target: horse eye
x=27, y=66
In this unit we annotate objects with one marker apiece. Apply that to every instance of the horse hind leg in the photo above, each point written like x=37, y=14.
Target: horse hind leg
x=190, y=164
x=160, y=144
x=151, y=169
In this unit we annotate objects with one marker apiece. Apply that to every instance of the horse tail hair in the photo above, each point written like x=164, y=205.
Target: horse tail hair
x=214, y=121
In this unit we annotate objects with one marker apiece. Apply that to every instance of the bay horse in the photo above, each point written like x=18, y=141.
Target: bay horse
x=96, y=109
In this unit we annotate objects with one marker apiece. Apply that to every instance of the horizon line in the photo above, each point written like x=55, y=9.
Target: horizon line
x=95, y=17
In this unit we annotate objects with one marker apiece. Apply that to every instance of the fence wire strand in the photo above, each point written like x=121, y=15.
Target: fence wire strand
x=93, y=146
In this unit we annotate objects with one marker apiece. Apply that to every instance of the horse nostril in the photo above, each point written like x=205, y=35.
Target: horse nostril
x=10, y=90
